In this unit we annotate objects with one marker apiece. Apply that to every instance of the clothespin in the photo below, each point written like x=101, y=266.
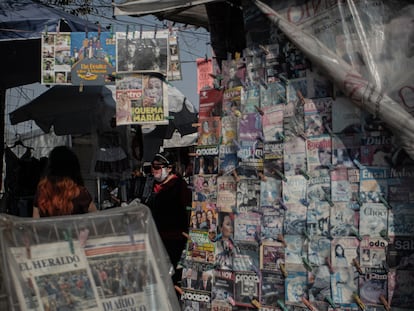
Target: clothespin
x=255, y=303
x=235, y=175
x=304, y=202
x=384, y=235
x=307, y=303
x=301, y=98
x=356, y=233
x=328, y=129
x=257, y=238
x=235, y=211
x=281, y=239
x=331, y=302
x=328, y=199
x=179, y=289
x=305, y=174
x=283, y=269
x=231, y=300
x=358, y=164
x=262, y=176
x=303, y=135
x=83, y=236
x=186, y=235
x=280, y=136
x=264, y=49
x=260, y=111
x=329, y=264
x=383, y=201
x=385, y=302
x=307, y=264
x=282, y=204
x=67, y=235
x=218, y=237
x=129, y=228
x=306, y=234
x=357, y=266
x=196, y=124
x=281, y=175
x=237, y=56
x=282, y=305
x=359, y=301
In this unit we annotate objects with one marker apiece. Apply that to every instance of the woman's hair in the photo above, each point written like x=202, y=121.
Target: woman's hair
x=61, y=183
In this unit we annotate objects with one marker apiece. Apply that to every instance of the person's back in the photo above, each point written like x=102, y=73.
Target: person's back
x=61, y=191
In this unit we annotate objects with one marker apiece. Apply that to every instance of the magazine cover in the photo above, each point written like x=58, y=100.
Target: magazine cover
x=401, y=219
x=346, y=116
x=319, y=152
x=247, y=226
x=344, y=283
x=225, y=248
x=228, y=160
x=209, y=131
x=353, y=177
x=222, y=293
x=229, y=130
x=376, y=149
x=372, y=285
x=317, y=218
x=210, y=104
x=250, y=100
x=272, y=122
x=246, y=287
x=319, y=186
x=343, y=251
x=206, y=164
x=294, y=189
x=248, y=195
x=273, y=94
x=92, y=58
x=174, y=68
x=295, y=218
x=372, y=252
x=142, y=51
x=270, y=192
x=343, y=219
x=205, y=188
x=373, y=184
x=294, y=251
x=272, y=289
x=226, y=193
x=373, y=219
x=272, y=254
x=255, y=63
x=296, y=286
x=203, y=216
x=141, y=99
x=195, y=300
x=294, y=156
x=250, y=127
x=232, y=101
x=273, y=165
x=317, y=116
x=52, y=275
x=340, y=185
x=272, y=223
x=246, y=256
x=250, y=154
x=233, y=73
x=199, y=246
x=319, y=248
x=197, y=275
x=346, y=149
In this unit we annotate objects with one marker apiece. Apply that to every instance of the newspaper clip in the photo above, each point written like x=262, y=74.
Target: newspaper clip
x=282, y=204
x=385, y=302
x=303, y=135
x=357, y=266
x=359, y=301
x=83, y=236
x=187, y=236
x=304, y=202
x=308, y=305
x=384, y=235
x=281, y=175
x=331, y=302
x=301, y=98
x=67, y=235
x=256, y=303
x=260, y=111
x=216, y=77
x=195, y=124
x=329, y=200
x=262, y=176
x=305, y=174
x=264, y=49
x=263, y=83
x=383, y=201
x=280, y=136
x=128, y=227
x=169, y=117
x=356, y=233
x=328, y=129
x=358, y=164
x=179, y=289
x=283, y=269
x=235, y=175
x=282, y=305
x=234, y=210
x=307, y=264
x=306, y=234
x=329, y=264
x=231, y=300
x=281, y=239
x=257, y=238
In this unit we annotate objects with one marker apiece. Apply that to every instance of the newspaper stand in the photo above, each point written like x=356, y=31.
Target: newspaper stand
x=109, y=260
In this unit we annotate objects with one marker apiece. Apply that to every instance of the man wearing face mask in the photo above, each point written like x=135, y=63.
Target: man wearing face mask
x=168, y=203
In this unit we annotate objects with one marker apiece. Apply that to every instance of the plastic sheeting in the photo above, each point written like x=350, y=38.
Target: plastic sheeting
x=108, y=260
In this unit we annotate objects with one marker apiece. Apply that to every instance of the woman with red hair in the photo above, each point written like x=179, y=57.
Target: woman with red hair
x=61, y=191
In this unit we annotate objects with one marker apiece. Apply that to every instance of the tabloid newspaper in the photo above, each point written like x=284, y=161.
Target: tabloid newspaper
x=248, y=195
x=226, y=193
x=400, y=253
x=272, y=289
x=273, y=94
x=294, y=156
x=343, y=251
x=294, y=189
x=317, y=218
x=353, y=177
x=272, y=254
x=203, y=216
x=246, y=257
x=246, y=287
x=340, y=185
x=174, y=68
x=346, y=148
x=233, y=72
x=376, y=149
x=247, y=226
x=254, y=67
x=270, y=192
x=342, y=219
x=199, y=246
x=250, y=100
x=318, y=116
x=319, y=152
x=197, y=275
x=273, y=165
x=373, y=219
x=225, y=248
x=210, y=104
x=272, y=122
x=373, y=183
x=295, y=218
x=222, y=293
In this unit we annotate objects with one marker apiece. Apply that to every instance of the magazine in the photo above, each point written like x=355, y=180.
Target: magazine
x=272, y=223
x=346, y=116
x=319, y=284
x=246, y=256
x=248, y=195
x=272, y=122
x=373, y=219
x=344, y=283
x=319, y=152
x=317, y=116
x=229, y=126
x=340, y=185
x=197, y=275
x=228, y=160
x=294, y=156
x=346, y=149
x=250, y=154
x=273, y=94
x=174, y=68
x=319, y=186
x=272, y=254
x=376, y=149
x=192, y=299
x=206, y=164
x=250, y=100
x=353, y=177
x=209, y=131
x=317, y=219
x=232, y=101
x=246, y=287
x=372, y=285
x=374, y=184
x=372, y=252
x=247, y=226
x=273, y=165
x=343, y=251
x=295, y=218
x=225, y=248
x=270, y=192
x=343, y=219
x=272, y=289
x=222, y=293
x=294, y=189
x=296, y=286
x=199, y=246
x=294, y=251
x=210, y=104
x=226, y=193
x=205, y=188
x=250, y=127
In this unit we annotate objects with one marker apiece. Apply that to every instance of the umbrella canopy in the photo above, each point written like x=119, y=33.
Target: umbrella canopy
x=69, y=110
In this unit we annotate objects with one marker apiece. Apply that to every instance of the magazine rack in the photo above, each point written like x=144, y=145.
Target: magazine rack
x=109, y=260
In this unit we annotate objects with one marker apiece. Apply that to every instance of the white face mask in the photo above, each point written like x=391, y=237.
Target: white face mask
x=160, y=177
